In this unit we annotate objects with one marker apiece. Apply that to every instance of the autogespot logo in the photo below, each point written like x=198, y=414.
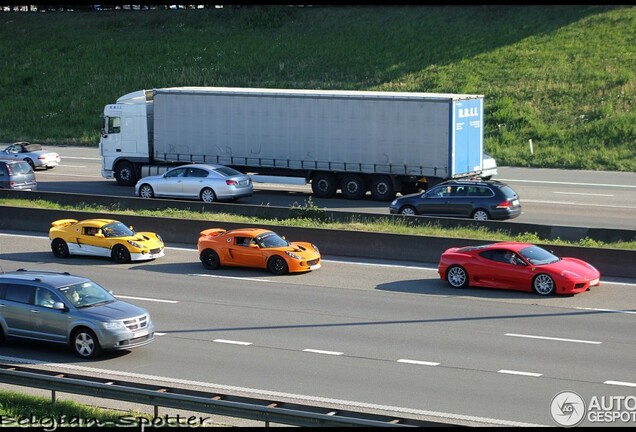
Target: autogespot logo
x=567, y=408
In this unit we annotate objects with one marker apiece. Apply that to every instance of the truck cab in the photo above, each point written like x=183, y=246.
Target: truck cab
x=125, y=143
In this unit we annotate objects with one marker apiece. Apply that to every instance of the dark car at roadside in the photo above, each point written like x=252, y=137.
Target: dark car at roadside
x=475, y=199
x=17, y=175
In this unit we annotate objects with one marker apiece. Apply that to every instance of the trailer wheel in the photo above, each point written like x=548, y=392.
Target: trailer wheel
x=353, y=186
x=323, y=184
x=382, y=188
x=125, y=174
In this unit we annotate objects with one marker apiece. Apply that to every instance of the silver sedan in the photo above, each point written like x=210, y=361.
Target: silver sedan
x=207, y=182
x=34, y=154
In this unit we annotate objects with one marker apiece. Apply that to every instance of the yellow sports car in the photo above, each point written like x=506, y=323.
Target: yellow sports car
x=103, y=237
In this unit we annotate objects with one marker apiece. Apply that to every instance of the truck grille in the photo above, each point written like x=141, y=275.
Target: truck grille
x=138, y=323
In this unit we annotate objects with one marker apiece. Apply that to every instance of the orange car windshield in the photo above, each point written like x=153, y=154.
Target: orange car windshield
x=270, y=240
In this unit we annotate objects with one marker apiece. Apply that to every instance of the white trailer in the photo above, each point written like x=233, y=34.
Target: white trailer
x=353, y=141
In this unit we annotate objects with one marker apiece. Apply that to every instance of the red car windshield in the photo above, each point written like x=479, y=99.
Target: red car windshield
x=538, y=256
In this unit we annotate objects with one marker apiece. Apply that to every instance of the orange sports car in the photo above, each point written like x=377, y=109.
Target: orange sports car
x=256, y=247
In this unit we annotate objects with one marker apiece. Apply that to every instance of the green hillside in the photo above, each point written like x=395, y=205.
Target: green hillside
x=562, y=76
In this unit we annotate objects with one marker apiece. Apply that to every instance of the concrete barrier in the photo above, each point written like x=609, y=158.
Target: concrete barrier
x=549, y=232
x=405, y=247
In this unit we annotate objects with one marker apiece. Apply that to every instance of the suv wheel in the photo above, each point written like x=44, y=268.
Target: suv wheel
x=85, y=343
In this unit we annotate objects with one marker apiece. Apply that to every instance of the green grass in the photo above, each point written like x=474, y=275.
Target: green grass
x=20, y=410
x=309, y=215
x=561, y=76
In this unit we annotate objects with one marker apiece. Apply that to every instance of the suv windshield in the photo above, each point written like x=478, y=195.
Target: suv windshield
x=86, y=294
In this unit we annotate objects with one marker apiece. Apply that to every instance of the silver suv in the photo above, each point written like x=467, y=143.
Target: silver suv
x=63, y=308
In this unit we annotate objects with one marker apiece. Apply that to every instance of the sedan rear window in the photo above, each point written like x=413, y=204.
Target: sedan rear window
x=227, y=171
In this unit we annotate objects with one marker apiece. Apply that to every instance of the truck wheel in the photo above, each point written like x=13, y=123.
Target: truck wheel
x=353, y=187
x=323, y=185
x=382, y=188
x=125, y=174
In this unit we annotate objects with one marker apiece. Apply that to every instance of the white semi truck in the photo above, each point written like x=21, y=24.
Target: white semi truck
x=353, y=141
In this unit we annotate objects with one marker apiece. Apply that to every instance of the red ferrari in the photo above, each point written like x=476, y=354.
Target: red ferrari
x=516, y=266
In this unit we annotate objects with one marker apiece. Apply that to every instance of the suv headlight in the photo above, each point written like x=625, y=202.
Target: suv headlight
x=114, y=325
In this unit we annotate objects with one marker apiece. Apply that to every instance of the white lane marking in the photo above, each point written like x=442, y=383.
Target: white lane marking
x=147, y=299
x=418, y=362
x=620, y=383
x=581, y=193
x=229, y=277
x=513, y=372
x=315, y=351
x=578, y=204
x=232, y=342
x=607, y=310
x=269, y=393
x=415, y=267
x=553, y=338
x=381, y=265
x=568, y=183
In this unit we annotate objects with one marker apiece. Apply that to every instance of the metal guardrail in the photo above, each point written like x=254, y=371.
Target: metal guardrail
x=267, y=411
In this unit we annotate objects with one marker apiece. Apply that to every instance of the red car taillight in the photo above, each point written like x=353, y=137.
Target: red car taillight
x=504, y=204
x=231, y=182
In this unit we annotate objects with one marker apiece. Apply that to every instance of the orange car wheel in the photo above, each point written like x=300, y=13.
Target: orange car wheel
x=210, y=259
x=277, y=265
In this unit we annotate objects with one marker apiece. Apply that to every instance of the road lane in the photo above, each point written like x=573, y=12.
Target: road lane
x=375, y=314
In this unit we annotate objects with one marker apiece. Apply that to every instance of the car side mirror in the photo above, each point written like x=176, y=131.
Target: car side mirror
x=59, y=306
x=100, y=235
x=253, y=245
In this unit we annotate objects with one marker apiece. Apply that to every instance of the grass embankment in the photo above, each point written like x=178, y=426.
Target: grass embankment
x=18, y=410
x=562, y=76
x=310, y=216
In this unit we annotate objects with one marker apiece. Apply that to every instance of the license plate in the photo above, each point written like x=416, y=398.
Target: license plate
x=594, y=282
x=515, y=203
x=243, y=182
x=314, y=267
x=139, y=334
